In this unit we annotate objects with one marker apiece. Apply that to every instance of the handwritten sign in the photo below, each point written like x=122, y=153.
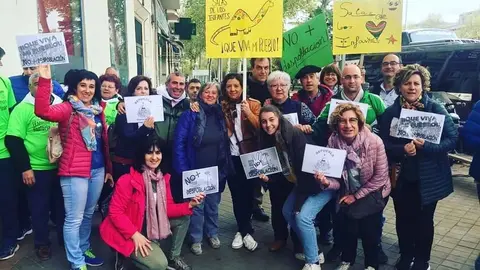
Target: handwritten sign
x=243, y=29
x=420, y=125
x=261, y=162
x=307, y=44
x=367, y=26
x=335, y=102
x=139, y=108
x=292, y=118
x=202, y=180
x=48, y=48
x=328, y=161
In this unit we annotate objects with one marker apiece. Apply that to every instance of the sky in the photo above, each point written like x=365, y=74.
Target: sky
x=450, y=10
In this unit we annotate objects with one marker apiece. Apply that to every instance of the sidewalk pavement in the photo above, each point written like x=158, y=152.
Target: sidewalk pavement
x=456, y=243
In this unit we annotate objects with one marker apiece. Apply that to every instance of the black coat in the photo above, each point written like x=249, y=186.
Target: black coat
x=434, y=172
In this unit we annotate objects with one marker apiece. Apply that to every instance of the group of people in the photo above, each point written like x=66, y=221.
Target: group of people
x=133, y=172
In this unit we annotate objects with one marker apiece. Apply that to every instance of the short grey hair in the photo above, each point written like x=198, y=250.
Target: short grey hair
x=279, y=75
x=176, y=73
x=207, y=86
x=34, y=76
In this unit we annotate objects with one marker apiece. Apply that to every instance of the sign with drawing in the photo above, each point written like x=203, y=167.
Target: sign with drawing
x=139, y=108
x=420, y=125
x=243, y=29
x=367, y=26
x=264, y=161
x=328, y=161
x=38, y=49
x=306, y=44
x=197, y=181
x=335, y=102
x=292, y=118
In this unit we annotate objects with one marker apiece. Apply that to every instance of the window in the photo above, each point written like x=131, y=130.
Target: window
x=139, y=42
x=118, y=38
x=63, y=16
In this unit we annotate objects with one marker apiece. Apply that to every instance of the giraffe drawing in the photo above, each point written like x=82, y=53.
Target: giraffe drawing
x=242, y=22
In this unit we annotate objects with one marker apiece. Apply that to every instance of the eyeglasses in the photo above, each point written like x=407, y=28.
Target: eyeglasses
x=391, y=63
x=352, y=121
x=349, y=77
x=276, y=86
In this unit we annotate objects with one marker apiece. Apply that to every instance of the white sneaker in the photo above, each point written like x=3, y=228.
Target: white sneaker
x=237, y=241
x=196, y=248
x=369, y=268
x=249, y=242
x=309, y=266
x=301, y=257
x=343, y=266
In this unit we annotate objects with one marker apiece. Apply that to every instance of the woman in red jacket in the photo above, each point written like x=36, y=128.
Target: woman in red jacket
x=85, y=163
x=142, y=212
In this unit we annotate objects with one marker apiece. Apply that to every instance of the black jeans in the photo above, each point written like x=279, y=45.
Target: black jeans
x=414, y=222
x=367, y=229
x=46, y=188
x=279, y=189
x=241, y=190
x=324, y=218
x=9, y=193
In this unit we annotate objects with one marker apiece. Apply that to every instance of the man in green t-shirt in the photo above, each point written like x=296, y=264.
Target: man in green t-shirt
x=8, y=185
x=26, y=140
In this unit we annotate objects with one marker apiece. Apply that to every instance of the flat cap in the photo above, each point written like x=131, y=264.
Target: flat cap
x=307, y=70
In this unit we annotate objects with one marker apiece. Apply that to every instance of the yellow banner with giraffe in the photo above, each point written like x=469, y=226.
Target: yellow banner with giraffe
x=243, y=28
x=367, y=26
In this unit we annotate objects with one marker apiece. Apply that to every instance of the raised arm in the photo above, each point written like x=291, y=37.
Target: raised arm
x=43, y=109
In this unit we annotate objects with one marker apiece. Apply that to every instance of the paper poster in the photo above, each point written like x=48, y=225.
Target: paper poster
x=367, y=26
x=202, y=180
x=306, y=44
x=38, y=49
x=420, y=125
x=261, y=162
x=292, y=118
x=335, y=102
x=139, y=108
x=243, y=29
x=328, y=161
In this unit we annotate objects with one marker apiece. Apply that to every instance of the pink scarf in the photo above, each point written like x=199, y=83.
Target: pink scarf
x=158, y=225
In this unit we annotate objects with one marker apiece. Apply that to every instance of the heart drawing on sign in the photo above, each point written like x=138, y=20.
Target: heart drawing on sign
x=374, y=29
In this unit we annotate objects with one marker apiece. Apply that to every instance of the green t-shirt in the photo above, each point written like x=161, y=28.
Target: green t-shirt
x=7, y=101
x=34, y=132
x=111, y=111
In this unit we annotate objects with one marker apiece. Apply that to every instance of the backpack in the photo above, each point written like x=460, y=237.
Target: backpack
x=54, y=143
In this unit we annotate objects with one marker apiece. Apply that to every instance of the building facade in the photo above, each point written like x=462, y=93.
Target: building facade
x=134, y=36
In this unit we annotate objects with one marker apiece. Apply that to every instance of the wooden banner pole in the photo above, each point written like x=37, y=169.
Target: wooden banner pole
x=244, y=95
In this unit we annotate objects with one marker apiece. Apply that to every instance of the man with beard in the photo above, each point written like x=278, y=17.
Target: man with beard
x=193, y=87
x=20, y=84
x=391, y=64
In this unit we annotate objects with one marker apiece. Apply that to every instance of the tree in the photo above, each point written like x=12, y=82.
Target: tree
x=470, y=27
x=433, y=20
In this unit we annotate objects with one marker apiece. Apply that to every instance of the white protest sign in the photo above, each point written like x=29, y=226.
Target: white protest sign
x=328, y=161
x=335, y=102
x=202, y=180
x=261, y=162
x=292, y=118
x=420, y=125
x=139, y=108
x=47, y=48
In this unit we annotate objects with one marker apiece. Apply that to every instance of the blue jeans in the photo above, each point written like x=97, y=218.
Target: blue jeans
x=303, y=222
x=80, y=198
x=205, y=218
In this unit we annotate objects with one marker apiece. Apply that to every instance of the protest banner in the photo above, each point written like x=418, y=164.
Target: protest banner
x=38, y=49
x=325, y=160
x=243, y=29
x=420, y=125
x=202, y=180
x=335, y=102
x=139, y=108
x=292, y=118
x=264, y=161
x=367, y=26
x=306, y=44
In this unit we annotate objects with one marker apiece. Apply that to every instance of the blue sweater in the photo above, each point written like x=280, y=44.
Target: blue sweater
x=129, y=134
x=20, y=87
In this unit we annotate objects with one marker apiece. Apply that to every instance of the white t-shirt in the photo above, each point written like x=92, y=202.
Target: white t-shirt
x=388, y=97
x=238, y=131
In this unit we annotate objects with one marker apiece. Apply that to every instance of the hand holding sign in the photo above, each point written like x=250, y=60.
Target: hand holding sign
x=264, y=178
x=410, y=149
x=44, y=71
x=419, y=143
x=197, y=200
x=320, y=177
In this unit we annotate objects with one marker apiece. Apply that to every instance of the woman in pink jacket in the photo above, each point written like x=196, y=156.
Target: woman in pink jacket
x=84, y=165
x=142, y=212
x=364, y=187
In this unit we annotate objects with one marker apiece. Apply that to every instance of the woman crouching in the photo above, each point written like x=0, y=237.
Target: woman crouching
x=142, y=212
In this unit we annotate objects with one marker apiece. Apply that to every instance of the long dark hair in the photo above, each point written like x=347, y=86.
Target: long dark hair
x=283, y=124
x=76, y=77
x=137, y=80
x=230, y=76
x=143, y=148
